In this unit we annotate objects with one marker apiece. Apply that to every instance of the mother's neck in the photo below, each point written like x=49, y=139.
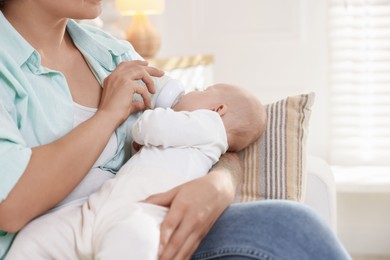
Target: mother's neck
x=43, y=31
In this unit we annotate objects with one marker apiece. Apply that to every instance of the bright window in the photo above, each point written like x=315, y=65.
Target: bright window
x=360, y=82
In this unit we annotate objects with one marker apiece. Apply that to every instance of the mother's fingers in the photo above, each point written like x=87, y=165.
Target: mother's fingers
x=138, y=70
x=170, y=247
x=189, y=247
x=187, y=236
x=137, y=88
x=154, y=72
x=169, y=226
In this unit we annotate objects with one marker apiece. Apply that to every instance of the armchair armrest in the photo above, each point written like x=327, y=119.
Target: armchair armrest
x=321, y=190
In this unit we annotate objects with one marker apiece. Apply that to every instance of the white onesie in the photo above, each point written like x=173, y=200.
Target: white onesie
x=113, y=223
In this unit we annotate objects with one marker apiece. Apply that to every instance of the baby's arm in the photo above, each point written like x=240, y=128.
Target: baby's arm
x=167, y=128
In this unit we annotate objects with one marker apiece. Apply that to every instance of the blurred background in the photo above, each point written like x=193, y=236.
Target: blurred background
x=339, y=49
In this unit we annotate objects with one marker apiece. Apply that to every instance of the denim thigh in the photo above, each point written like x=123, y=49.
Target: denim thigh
x=272, y=230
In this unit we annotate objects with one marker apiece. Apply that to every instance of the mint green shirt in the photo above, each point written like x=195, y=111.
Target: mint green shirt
x=36, y=105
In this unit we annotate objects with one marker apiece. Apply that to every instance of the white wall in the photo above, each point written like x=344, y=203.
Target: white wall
x=363, y=222
x=273, y=47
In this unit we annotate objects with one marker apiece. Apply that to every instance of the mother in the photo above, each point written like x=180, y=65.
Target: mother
x=65, y=111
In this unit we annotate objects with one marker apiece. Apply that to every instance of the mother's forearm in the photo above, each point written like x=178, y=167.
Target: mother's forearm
x=229, y=171
x=53, y=172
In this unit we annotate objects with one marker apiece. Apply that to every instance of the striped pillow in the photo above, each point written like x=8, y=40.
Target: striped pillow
x=274, y=165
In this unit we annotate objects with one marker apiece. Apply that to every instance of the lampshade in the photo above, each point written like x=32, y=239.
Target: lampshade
x=132, y=7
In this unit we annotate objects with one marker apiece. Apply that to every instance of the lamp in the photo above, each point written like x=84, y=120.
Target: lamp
x=141, y=33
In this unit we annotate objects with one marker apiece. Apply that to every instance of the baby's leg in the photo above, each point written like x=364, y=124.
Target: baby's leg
x=50, y=236
x=134, y=233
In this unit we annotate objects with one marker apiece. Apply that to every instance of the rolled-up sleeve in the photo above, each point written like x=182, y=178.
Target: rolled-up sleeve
x=14, y=153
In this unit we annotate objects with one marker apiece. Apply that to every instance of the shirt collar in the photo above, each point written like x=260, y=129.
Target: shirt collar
x=101, y=46
x=14, y=44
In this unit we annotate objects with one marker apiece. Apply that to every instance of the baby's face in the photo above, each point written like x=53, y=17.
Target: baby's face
x=194, y=100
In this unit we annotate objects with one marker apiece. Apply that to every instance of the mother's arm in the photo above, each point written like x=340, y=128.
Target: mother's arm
x=195, y=206
x=53, y=171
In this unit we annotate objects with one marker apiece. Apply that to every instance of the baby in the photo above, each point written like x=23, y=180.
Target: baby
x=179, y=145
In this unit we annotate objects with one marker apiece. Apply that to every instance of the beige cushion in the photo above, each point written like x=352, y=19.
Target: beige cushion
x=275, y=165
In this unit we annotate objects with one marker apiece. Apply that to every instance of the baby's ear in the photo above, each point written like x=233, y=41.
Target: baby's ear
x=221, y=109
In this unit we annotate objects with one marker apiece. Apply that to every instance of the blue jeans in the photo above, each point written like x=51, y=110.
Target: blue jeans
x=272, y=230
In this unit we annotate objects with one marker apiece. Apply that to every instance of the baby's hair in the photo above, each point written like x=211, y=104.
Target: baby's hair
x=2, y=3
x=246, y=119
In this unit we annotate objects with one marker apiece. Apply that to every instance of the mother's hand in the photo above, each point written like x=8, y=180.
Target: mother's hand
x=121, y=85
x=194, y=208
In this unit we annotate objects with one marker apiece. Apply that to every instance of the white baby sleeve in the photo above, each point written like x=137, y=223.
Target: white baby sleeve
x=202, y=129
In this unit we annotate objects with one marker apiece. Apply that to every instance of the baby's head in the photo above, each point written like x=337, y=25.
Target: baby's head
x=242, y=113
